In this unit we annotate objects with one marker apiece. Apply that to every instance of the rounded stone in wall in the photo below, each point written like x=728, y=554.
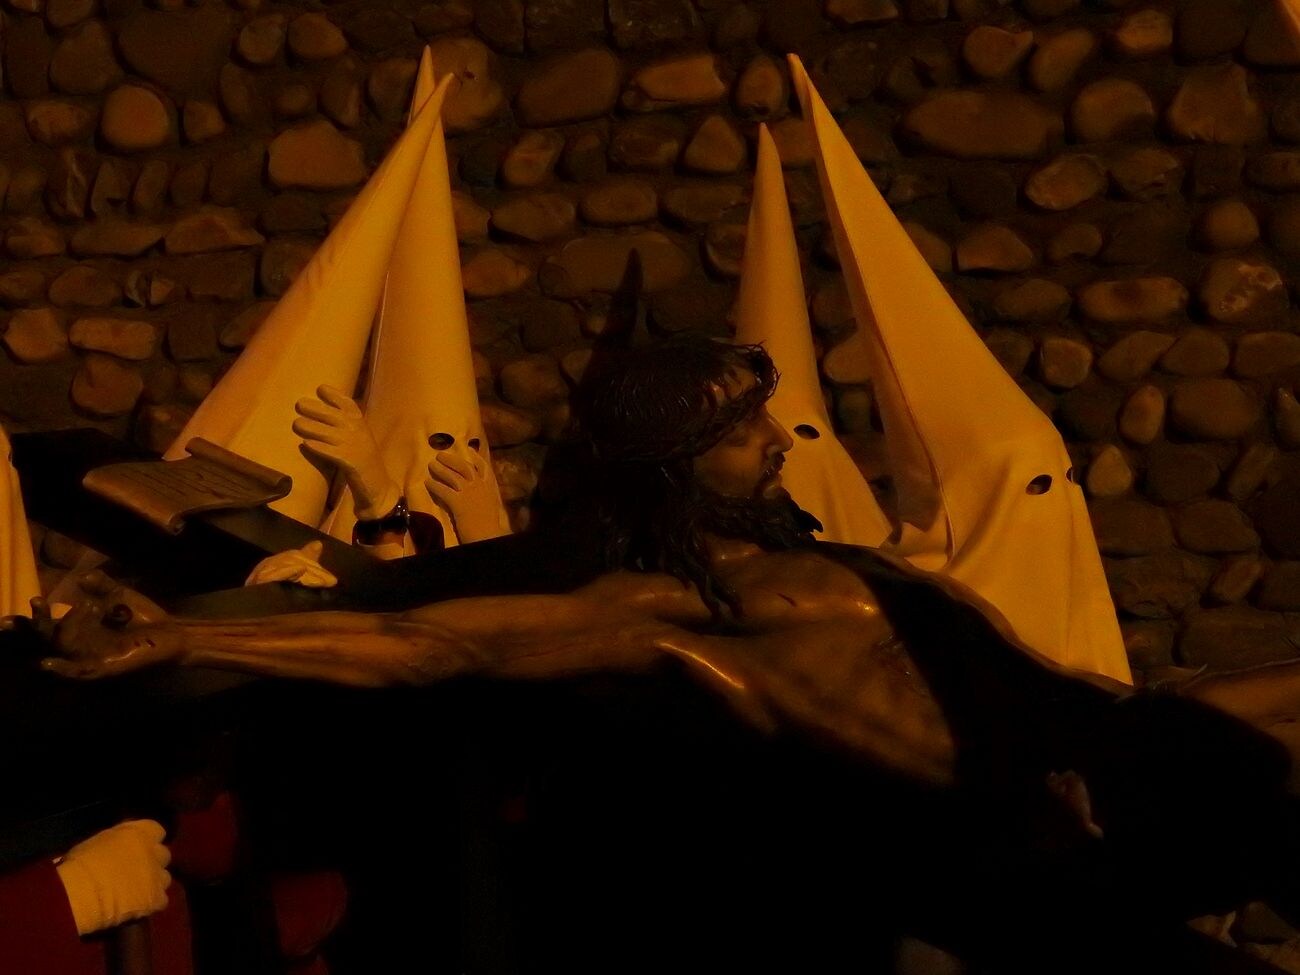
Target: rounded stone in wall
x=1010, y=348
x=1143, y=415
x=316, y=156
x=1237, y=291
x=262, y=38
x=1215, y=105
x=36, y=335
x=479, y=98
x=86, y=286
x=389, y=87
x=1261, y=353
x=572, y=88
x=715, y=148
x=1214, y=528
x=1271, y=40
x=115, y=238
x=1143, y=34
x=1213, y=409
x=1132, y=300
x=650, y=143
x=181, y=50
x=122, y=337
x=851, y=13
x=281, y=262
x=1208, y=28
x=236, y=332
x=211, y=229
x=1058, y=58
x=1066, y=182
x=340, y=93
x=135, y=118
x=1109, y=475
x=698, y=203
x=994, y=247
x=1177, y=473
x=62, y=14
x=1286, y=418
x=1112, y=108
x=724, y=247
x=993, y=52
x=29, y=237
x=983, y=124
x=202, y=120
x=472, y=220
x=1126, y=527
x=1251, y=471
x=1147, y=173
x=936, y=251
x=618, y=202
x=1032, y=300
x=53, y=123
x=105, y=387
x=1063, y=363
x=532, y=381
x=1284, y=226
x=84, y=62
x=493, y=272
x=313, y=37
x=1076, y=240
x=1235, y=579
x=1198, y=352
x=531, y=160
x=1227, y=225
x=1277, y=171
x=693, y=79
x=760, y=91
x=293, y=100
x=22, y=286
x=27, y=49
x=536, y=217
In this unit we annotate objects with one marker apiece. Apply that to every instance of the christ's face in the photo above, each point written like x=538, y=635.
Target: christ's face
x=746, y=462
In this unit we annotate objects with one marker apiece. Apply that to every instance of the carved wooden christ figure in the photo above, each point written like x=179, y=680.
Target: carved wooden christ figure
x=712, y=566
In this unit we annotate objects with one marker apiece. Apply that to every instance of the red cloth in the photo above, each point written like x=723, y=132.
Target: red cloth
x=39, y=937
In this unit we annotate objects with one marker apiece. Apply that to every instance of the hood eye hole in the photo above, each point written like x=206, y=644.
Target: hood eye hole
x=1039, y=485
x=1071, y=476
x=442, y=441
x=807, y=431
x=474, y=443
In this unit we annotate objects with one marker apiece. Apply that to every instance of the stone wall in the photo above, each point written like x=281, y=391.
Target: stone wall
x=1106, y=187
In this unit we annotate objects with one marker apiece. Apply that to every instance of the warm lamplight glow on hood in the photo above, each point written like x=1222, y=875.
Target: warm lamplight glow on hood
x=317, y=333
x=982, y=475
x=18, y=579
x=772, y=311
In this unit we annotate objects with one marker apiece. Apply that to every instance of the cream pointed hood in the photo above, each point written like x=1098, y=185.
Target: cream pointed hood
x=422, y=370
x=984, y=480
x=317, y=333
x=1291, y=10
x=772, y=311
x=18, y=579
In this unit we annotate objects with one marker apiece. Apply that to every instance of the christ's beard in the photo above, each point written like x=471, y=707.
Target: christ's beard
x=773, y=523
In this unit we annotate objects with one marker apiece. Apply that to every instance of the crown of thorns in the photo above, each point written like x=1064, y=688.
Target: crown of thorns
x=663, y=418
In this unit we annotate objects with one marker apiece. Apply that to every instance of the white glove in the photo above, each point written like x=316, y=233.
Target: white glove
x=300, y=565
x=459, y=480
x=332, y=427
x=117, y=875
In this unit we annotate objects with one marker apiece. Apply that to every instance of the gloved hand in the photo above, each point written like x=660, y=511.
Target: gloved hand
x=332, y=427
x=460, y=481
x=300, y=565
x=117, y=875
